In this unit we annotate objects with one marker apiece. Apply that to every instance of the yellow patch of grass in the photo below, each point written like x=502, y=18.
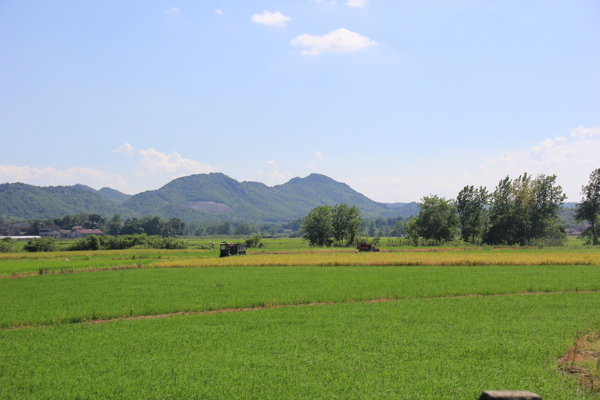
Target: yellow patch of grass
x=448, y=258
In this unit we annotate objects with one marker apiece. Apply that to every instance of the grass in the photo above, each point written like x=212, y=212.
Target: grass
x=457, y=321
x=20, y=264
x=71, y=298
x=451, y=348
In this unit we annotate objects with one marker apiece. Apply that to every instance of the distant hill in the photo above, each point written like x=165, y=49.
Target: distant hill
x=22, y=201
x=404, y=209
x=107, y=193
x=203, y=197
x=217, y=196
x=113, y=195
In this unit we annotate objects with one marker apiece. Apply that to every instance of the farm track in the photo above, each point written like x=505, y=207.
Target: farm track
x=269, y=306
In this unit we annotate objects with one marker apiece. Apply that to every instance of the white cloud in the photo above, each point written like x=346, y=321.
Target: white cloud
x=583, y=132
x=172, y=11
x=48, y=176
x=155, y=161
x=219, y=12
x=404, y=189
x=271, y=175
x=125, y=149
x=318, y=159
x=271, y=19
x=570, y=159
x=357, y=3
x=334, y=41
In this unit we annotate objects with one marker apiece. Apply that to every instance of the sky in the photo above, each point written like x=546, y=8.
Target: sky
x=398, y=99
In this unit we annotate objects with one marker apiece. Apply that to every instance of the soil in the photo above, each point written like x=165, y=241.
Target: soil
x=582, y=360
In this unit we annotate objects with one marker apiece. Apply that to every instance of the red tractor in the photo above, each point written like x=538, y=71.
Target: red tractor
x=362, y=246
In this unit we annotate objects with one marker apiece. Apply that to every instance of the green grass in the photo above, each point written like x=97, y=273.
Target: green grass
x=444, y=333
x=68, y=298
x=451, y=348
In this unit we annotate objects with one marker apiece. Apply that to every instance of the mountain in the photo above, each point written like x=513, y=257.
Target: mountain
x=404, y=209
x=113, y=195
x=107, y=193
x=216, y=196
x=203, y=197
x=22, y=201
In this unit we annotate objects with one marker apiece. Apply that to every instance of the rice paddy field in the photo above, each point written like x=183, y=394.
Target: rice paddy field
x=288, y=321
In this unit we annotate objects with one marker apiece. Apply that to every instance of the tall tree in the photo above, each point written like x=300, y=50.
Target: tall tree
x=345, y=223
x=525, y=209
x=589, y=207
x=471, y=205
x=325, y=225
x=317, y=226
x=437, y=219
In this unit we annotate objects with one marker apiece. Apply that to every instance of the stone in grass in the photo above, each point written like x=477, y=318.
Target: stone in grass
x=508, y=395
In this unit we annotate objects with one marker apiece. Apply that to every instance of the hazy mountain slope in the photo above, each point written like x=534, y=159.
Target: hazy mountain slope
x=202, y=197
x=113, y=195
x=250, y=201
x=107, y=193
x=19, y=200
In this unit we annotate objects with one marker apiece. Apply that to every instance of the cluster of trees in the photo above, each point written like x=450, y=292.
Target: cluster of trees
x=126, y=242
x=242, y=228
x=94, y=242
x=326, y=226
x=380, y=226
x=114, y=226
x=149, y=225
x=520, y=211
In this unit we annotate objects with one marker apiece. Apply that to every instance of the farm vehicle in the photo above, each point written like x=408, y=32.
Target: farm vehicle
x=362, y=246
x=232, y=249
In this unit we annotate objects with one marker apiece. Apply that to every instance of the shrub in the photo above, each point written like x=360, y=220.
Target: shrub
x=7, y=245
x=253, y=241
x=42, y=244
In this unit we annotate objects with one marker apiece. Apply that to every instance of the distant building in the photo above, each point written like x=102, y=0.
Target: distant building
x=18, y=229
x=79, y=232
x=50, y=231
x=4, y=229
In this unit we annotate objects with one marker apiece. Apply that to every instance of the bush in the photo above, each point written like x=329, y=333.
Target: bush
x=7, y=245
x=126, y=242
x=253, y=241
x=42, y=244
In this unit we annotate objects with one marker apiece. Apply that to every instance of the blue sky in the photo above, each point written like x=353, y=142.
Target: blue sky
x=398, y=99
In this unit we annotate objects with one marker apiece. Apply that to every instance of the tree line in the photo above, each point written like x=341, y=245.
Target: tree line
x=520, y=211
x=150, y=225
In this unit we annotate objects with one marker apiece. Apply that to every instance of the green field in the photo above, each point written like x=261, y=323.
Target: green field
x=355, y=331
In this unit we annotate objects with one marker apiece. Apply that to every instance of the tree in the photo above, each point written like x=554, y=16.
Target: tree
x=113, y=227
x=317, y=226
x=471, y=205
x=345, y=223
x=437, y=219
x=589, y=207
x=524, y=210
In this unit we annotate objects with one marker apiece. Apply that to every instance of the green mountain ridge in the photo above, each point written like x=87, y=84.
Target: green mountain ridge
x=203, y=198
x=252, y=201
x=22, y=201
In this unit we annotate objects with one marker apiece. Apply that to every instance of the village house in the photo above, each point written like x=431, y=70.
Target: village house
x=18, y=229
x=50, y=231
x=80, y=232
